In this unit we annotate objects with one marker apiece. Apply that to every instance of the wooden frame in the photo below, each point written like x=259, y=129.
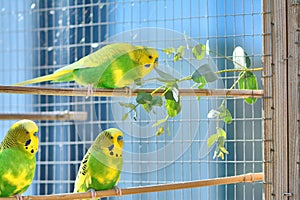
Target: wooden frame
x=281, y=98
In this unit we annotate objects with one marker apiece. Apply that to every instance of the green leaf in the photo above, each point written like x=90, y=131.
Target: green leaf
x=248, y=61
x=143, y=98
x=157, y=101
x=206, y=71
x=221, y=155
x=221, y=133
x=248, y=81
x=128, y=105
x=173, y=107
x=165, y=77
x=147, y=107
x=198, y=78
x=207, y=49
x=160, y=131
x=224, y=150
x=179, y=53
x=169, y=51
x=199, y=51
x=225, y=115
x=212, y=139
x=125, y=116
x=239, y=58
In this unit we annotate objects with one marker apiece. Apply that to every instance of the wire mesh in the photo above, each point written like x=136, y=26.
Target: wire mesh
x=38, y=37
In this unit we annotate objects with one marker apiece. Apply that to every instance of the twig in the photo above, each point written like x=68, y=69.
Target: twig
x=240, y=70
x=56, y=115
x=124, y=92
x=252, y=177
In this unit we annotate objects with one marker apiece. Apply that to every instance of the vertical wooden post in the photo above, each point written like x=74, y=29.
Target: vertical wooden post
x=281, y=102
x=293, y=90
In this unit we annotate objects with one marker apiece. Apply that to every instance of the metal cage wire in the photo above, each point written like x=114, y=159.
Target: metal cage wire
x=37, y=37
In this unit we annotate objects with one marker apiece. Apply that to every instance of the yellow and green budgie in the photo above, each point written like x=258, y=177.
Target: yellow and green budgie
x=17, y=158
x=101, y=166
x=114, y=66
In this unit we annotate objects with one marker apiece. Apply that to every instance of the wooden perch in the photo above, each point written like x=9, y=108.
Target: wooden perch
x=252, y=177
x=56, y=115
x=125, y=92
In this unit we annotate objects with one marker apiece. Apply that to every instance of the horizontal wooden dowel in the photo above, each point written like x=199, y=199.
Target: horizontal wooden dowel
x=252, y=177
x=124, y=92
x=55, y=115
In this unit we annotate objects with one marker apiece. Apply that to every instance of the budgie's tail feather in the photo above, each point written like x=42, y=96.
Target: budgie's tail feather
x=55, y=77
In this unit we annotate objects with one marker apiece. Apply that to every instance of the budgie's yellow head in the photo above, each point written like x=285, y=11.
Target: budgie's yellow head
x=110, y=142
x=147, y=59
x=22, y=134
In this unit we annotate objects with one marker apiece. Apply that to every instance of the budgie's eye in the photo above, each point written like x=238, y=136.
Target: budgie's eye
x=150, y=57
x=27, y=132
x=111, y=137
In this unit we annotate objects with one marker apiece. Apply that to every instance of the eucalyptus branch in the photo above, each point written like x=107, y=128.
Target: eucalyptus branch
x=239, y=70
x=226, y=58
x=233, y=85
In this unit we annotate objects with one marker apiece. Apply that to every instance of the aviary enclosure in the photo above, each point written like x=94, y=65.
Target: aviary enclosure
x=217, y=119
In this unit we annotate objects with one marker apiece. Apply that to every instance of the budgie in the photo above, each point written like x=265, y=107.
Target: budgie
x=101, y=166
x=114, y=66
x=17, y=158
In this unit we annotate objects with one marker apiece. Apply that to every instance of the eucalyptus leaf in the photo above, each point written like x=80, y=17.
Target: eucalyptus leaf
x=197, y=77
x=206, y=71
x=125, y=116
x=160, y=131
x=221, y=155
x=165, y=77
x=147, y=107
x=199, y=51
x=221, y=133
x=156, y=101
x=128, y=105
x=213, y=114
x=175, y=93
x=239, y=58
x=207, y=49
x=179, y=53
x=248, y=61
x=143, y=98
x=224, y=150
x=248, y=81
x=225, y=115
x=173, y=107
x=212, y=139
x=169, y=51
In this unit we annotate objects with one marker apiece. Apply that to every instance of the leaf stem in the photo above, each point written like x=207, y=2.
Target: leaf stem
x=233, y=85
x=239, y=70
x=185, y=78
x=154, y=91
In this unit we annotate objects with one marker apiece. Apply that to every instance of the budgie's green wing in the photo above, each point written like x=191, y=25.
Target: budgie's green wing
x=16, y=172
x=83, y=178
x=106, y=54
x=89, y=69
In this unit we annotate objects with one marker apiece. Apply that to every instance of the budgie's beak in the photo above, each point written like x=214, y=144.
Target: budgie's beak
x=120, y=141
x=156, y=62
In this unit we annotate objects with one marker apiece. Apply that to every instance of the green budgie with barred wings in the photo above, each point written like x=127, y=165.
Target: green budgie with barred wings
x=113, y=66
x=17, y=158
x=101, y=166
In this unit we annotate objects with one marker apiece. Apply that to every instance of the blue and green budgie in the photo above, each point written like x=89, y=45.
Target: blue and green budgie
x=101, y=166
x=17, y=158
